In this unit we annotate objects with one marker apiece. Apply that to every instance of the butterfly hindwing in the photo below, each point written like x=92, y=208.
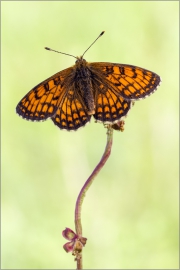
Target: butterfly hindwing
x=110, y=107
x=72, y=114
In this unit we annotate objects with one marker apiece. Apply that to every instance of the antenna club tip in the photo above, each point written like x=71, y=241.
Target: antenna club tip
x=46, y=48
x=102, y=33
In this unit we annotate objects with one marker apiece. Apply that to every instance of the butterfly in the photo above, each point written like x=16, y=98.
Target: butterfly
x=99, y=89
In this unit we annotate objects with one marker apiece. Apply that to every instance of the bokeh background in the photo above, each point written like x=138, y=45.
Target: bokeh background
x=130, y=213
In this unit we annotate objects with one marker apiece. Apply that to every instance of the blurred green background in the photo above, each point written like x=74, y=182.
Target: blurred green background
x=130, y=213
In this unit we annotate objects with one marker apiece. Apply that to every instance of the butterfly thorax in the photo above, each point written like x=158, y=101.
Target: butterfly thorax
x=83, y=83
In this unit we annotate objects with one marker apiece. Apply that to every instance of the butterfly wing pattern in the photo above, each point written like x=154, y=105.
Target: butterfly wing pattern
x=72, y=96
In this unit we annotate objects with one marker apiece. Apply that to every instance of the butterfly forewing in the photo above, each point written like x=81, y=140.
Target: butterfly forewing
x=44, y=99
x=130, y=82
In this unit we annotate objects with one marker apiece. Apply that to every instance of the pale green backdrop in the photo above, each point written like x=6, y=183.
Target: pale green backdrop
x=130, y=214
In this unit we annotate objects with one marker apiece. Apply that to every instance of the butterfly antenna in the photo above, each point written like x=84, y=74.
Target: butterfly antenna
x=93, y=42
x=49, y=49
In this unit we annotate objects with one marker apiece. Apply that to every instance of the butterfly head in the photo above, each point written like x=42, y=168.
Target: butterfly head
x=80, y=62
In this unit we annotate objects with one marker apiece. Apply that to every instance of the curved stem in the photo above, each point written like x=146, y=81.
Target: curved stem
x=86, y=186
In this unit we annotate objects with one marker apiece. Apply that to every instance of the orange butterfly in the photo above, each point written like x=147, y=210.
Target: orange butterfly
x=72, y=96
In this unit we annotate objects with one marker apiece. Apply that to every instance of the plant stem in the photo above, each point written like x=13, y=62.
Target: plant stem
x=79, y=263
x=86, y=186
